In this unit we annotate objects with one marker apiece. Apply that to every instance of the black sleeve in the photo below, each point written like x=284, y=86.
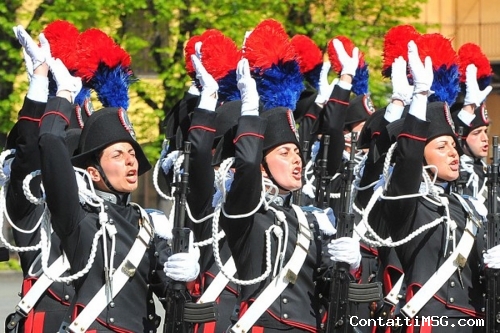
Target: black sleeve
x=245, y=191
x=201, y=174
x=306, y=127
x=58, y=176
x=406, y=176
x=27, y=160
x=331, y=122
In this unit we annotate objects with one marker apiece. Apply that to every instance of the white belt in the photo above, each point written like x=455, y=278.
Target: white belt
x=123, y=273
x=393, y=295
x=219, y=283
x=29, y=300
x=287, y=275
x=444, y=272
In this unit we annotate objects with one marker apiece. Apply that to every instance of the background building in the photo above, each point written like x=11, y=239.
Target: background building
x=474, y=21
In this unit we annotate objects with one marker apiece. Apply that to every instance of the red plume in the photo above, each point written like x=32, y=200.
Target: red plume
x=439, y=48
x=220, y=55
x=471, y=53
x=189, y=49
x=62, y=37
x=396, y=44
x=95, y=47
x=268, y=44
x=308, y=53
x=349, y=46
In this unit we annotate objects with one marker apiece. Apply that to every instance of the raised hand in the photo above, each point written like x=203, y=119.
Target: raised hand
x=248, y=89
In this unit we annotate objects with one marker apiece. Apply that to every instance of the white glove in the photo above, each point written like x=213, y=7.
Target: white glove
x=248, y=89
x=345, y=249
x=197, y=49
x=472, y=93
x=401, y=88
x=492, y=257
x=38, y=54
x=63, y=78
x=247, y=34
x=421, y=72
x=324, y=88
x=349, y=64
x=28, y=63
x=208, y=99
x=184, y=267
x=193, y=89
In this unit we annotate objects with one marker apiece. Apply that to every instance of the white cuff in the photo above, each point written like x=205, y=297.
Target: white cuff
x=38, y=90
x=466, y=117
x=418, y=106
x=207, y=102
x=344, y=85
x=393, y=112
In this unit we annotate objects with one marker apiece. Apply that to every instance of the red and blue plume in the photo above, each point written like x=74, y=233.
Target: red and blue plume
x=310, y=58
x=220, y=57
x=396, y=44
x=360, y=80
x=274, y=65
x=471, y=53
x=105, y=67
x=444, y=65
x=189, y=49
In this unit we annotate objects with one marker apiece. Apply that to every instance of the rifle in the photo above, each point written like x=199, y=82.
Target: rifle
x=180, y=311
x=322, y=181
x=493, y=275
x=461, y=181
x=343, y=288
x=297, y=195
x=177, y=295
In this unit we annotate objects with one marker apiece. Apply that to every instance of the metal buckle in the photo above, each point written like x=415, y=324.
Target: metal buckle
x=129, y=269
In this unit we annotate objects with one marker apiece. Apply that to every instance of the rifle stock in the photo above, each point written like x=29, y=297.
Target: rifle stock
x=177, y=295
x=493, y=275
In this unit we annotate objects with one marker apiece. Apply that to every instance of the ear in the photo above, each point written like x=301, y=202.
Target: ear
x=94, y=174
x=263, y=170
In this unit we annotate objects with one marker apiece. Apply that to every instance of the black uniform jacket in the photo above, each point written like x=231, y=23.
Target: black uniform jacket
x=132, y=309
x=300, y=305
x=50, y=309
x=424, y=254
x=201, y=191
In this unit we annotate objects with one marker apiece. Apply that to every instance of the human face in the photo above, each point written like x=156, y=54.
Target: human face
x=477, y=142
x=285, y=165
x=120, y=166
x=441, y=152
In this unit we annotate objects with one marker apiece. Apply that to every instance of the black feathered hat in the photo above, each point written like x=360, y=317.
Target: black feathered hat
x=441, y=123
x=360, y=109
x=280, y=128
x=104, y=128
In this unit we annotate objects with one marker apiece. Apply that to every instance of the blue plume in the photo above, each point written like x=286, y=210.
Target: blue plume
x=111, y=85
x=82, y=96
x=313, y=76
x=228, y=88
x=280, y=85
x=360, y=80
x=445, y=85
